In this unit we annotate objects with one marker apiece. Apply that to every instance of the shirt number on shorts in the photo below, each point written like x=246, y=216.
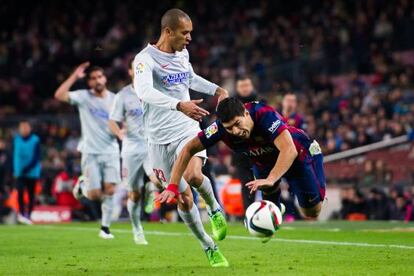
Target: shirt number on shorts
x=160, y=174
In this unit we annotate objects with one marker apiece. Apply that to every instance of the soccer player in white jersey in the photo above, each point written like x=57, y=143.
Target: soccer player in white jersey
x=100, y=150
x=162, y=77
x=127, y=109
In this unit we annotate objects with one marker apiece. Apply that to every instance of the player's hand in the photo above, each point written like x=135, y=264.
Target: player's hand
x=121, y=134
x=80, y=70
x=222, y=93
x=168, y=195
x=255, y=184
x=192, y=110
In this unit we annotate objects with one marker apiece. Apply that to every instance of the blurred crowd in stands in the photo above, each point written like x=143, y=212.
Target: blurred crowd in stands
x=349, y=63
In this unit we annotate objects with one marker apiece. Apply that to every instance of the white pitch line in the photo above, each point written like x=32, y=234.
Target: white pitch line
x=236, y=237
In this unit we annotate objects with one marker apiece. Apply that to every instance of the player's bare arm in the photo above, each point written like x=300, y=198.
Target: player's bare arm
x=116, y=130
x=180, y=165
x=287, y=155
x=62, y=93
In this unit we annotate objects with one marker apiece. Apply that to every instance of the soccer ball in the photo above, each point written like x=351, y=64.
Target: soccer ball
x=262, y=218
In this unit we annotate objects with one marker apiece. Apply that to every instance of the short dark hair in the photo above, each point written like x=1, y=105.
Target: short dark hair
x=243, y=77
x=230, y=108
x=92, y=69
x=171, y=18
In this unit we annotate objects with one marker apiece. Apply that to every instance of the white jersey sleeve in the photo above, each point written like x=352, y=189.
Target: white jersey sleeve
x=77, y=97
x=200, y=84
x=117, y=110
x=144, y=87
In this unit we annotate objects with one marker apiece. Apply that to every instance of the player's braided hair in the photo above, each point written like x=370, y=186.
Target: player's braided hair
x=229, y=108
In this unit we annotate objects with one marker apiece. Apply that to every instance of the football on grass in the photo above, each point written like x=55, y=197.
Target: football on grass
x=262, y=218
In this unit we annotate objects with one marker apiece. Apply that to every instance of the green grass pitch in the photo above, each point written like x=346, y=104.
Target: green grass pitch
x=333, y=248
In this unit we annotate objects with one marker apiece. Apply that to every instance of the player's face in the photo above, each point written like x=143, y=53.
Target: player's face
x=244, y=87
x=25, y=129
x=240, y=126
x=181, y=37
x=97, y=81
x=289, y=102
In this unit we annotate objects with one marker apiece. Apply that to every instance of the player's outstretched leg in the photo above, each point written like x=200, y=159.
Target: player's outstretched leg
x=107, y=206
x=195, y=178
x=134, y=209
x=189, y=213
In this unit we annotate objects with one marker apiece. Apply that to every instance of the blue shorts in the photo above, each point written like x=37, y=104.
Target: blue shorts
x=306, y=180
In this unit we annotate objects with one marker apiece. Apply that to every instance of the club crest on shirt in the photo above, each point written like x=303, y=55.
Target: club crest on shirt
x=211, y=130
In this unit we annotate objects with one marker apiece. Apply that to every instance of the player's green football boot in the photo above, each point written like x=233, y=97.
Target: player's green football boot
x=216, y=258
x=218, y=225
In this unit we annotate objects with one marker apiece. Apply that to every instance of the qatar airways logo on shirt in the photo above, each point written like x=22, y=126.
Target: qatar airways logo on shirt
x=255, y=152
x=175, y=78
x=100, y=113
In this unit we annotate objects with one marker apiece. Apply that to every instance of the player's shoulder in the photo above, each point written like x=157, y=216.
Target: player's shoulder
x=258, y=106
x=125, y=91
x=145, y=55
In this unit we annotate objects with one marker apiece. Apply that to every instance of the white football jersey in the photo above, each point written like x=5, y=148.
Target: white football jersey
x=162, y=80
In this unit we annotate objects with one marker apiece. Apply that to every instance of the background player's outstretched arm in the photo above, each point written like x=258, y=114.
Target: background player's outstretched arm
x=62, y=93
x=287, y=154
x=189, y=150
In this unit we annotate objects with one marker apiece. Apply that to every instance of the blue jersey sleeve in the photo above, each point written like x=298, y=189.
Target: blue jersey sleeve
x=211, y=135
x=271, y=123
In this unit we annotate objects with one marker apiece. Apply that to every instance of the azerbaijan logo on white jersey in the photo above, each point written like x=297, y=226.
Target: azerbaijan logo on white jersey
x=175, y=78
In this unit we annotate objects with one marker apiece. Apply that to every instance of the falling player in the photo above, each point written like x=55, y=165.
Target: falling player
x=274, y=149
x=162, y=78
x=127, y=109
x=100, y=151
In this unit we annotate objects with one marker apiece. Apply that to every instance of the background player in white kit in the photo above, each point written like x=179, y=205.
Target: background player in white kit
x=99, y=148
x=162, y=78
x=127, y=109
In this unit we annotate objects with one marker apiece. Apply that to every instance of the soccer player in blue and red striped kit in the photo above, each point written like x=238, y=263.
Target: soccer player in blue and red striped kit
x=275, y=150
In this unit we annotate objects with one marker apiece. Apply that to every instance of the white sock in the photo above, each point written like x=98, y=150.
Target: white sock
x=134, y=209
x=84, y=190
x=193, y=221
x=206, y=192
x=107, y=206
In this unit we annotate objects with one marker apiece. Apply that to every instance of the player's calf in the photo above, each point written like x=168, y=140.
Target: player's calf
x=134, y=196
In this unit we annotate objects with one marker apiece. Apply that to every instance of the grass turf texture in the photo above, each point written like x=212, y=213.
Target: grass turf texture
x=333, y=248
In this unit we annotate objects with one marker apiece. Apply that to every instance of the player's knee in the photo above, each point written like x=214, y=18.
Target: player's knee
x=94, y=194
x=185, y=201
x=109, y=189
x=194, y=178
x=134, y=196
x=312, y=213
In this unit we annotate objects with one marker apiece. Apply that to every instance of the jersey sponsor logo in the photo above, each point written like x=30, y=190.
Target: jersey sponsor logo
x=135, y=112
x=255, y=152
x=211, y=130
x=139, y=69
x=274, y=126
x=100, y=113
x=175, y=78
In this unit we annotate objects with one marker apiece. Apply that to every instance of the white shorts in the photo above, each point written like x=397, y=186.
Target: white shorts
x=163, y=158
x=100, y=168
x=134, y=168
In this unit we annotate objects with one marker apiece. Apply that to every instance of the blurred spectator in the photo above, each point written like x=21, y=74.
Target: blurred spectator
x=26, y=168
x=242, y=167
x=290, y=113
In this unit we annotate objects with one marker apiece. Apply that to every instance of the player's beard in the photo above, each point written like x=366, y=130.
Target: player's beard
x=99, y=88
